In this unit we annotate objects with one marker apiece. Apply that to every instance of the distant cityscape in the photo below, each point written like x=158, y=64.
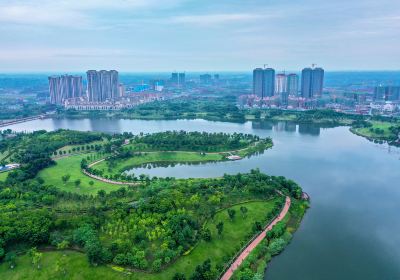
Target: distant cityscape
x=302, y=90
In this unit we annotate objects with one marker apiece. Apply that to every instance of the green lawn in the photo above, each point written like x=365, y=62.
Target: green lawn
x=3, y=176
x=156, y=157
x=68, y=149
x=235, y=232
x=384, y=126
x=72, y=166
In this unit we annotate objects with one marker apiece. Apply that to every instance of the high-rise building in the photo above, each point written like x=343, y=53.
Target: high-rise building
x=306, y=82
x=312, y=82
x=54, y=89
x=205, y=79
x=387, y=93
x=178, y=79
x=102, y=85
x=174, y=78
x=182, y=79
x=65, y=87
x=269, y=82
x=317, y=81
x=258, y=82
x=280, y=83
x=121, y=90
x=293, y=84
x=263, y=82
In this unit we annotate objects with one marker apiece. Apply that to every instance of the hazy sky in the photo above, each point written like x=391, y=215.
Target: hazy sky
x=166, y=35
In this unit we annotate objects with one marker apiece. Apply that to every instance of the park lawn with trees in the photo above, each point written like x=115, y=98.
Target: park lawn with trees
x=178, y=147
x=71, y=166
x=120, y=165
x=76, y=266
x=80, y=149
x=58, y=265
x=379, y=130
x=149, y=227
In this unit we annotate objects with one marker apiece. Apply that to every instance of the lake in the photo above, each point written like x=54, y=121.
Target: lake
x=351, y=230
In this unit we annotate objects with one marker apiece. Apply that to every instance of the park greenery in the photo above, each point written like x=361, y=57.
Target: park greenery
x=175, y=147
x=51, y=213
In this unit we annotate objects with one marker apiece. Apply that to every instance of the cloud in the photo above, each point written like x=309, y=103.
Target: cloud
x=72, y=12
x=214, y=19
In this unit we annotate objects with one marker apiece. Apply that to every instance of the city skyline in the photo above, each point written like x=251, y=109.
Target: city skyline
x=145, y=36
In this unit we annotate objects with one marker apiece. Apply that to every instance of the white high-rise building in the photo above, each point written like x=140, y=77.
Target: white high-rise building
x=280, y=83
x=102, y=85
x=65, y=87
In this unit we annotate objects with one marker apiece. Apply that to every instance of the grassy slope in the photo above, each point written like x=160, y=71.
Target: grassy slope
x=72, y=166
x=77, y=266
x=155, y=157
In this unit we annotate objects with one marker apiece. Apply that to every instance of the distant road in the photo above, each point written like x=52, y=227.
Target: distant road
x=228, y=274
x=16, y=121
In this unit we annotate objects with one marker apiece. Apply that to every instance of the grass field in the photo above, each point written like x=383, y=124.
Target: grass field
x=68, y=149
x=3, y=176
x=370, y=132
x=72, y=166
x=156, y=157
x=235, y=232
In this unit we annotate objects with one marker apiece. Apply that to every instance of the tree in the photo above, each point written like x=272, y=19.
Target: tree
x=91, y=183
x=157, y=265
x=63, y=245
x=257, y=226
x=206, y=235
x=77, y=182
x=203, y=271
x=231, y=213
x=61, y=266
x=179, y=276
x=65, y=178
x=101, y=193
x=2, y=252
x=220, y=227
x=10, y=259
x=36, y=257
x=244, y=210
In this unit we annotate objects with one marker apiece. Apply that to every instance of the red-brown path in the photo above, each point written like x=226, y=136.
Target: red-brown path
x=228, y=274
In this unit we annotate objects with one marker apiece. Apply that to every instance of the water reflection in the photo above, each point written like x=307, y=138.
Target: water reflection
x=309, y=129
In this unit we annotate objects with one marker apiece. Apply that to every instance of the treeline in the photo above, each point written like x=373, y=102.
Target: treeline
x=195, y=141
x=24, y=111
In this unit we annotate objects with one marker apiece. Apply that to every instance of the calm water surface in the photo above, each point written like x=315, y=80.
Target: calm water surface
x=351, y=230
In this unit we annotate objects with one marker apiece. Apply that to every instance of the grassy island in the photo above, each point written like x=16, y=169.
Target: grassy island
x=177, y=147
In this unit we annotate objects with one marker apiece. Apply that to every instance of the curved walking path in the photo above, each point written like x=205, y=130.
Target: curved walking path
x=107, y=180
x=228, y=274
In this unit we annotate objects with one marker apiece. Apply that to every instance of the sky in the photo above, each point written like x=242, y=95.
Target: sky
x=206, y=35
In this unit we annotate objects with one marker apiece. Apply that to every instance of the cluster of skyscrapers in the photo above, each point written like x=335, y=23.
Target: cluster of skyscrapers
x=387, y=93
x=267, y=84
x=101, y=86
x=178, y=79
x=65, y=87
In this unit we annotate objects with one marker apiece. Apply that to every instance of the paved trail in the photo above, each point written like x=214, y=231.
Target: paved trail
x=228, y=274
